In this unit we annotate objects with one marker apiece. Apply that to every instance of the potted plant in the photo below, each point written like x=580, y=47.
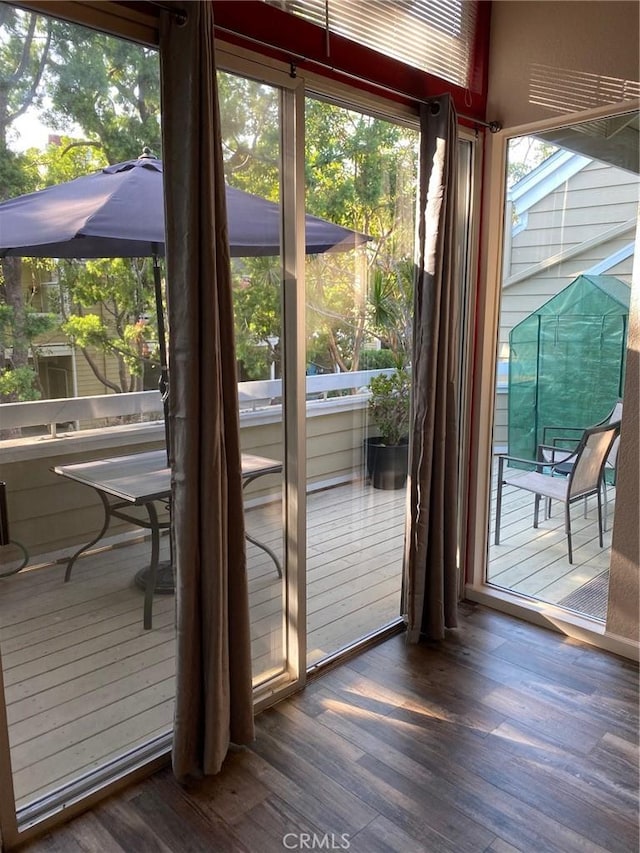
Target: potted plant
x=387, y=453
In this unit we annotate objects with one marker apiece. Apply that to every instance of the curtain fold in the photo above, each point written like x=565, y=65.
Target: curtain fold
x=213, y=656
x=431, y=573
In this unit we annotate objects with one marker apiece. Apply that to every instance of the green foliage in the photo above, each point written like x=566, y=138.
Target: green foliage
x=108, y=87
x=256, y=297
x=19, y=384
x=87, y=331
x=37, y=324
x=389, y=405
x=24, y=47
x=123, y=325
x=67, y=160
x=33, y=325
x=18, y=174
x=106, y=92
x=20, y=381
x=377, y=359
x=391, y=306
x=250, y=118
x=360, y=173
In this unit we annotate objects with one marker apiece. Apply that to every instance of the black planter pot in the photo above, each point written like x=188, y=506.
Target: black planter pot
x=386, y=463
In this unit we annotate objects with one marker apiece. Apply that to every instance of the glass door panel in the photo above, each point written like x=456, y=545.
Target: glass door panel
x=360, y=174
x=87, y=685
x=570, y=214
x=251, y=116
x=89, y=680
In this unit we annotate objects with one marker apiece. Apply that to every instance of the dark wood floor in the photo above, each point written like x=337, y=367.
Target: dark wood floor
x=505, y=737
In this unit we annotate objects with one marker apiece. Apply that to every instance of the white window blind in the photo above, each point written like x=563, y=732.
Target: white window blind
x=434, y=35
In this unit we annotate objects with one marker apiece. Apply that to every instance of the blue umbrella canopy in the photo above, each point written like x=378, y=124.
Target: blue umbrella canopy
x=118, y=212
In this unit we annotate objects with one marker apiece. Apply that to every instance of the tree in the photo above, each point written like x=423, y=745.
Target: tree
x=24, y=49
x=121, y=288
x=524, y=155
x=391, y=308
x=360, y=172
x=250, y=119
x=105, y=88
x=256, y=301
x=107, y=305
x=106, y=91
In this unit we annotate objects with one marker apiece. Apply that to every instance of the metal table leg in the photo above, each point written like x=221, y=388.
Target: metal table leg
x=107, y=519
x=246, y=481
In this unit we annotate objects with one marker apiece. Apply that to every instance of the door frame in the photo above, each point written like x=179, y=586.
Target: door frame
x=483, y=390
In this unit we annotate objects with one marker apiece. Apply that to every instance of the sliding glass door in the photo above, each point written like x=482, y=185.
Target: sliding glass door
x=252, y=144
x=571, y=212
x=88, y=669
x=361, y=173
x=322, y=296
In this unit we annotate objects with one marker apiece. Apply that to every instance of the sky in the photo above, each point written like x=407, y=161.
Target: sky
x=28, y=132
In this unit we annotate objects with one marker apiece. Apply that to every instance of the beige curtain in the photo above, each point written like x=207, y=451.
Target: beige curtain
x=431, y=575
x=213, y=686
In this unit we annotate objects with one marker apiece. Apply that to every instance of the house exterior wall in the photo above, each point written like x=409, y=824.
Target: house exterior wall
x=596, y=199
x=580, y=211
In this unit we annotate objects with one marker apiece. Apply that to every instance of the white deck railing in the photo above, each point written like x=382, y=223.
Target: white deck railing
x=47, y=516
x=75, y=410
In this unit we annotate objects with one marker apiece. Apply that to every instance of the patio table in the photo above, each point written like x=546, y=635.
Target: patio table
x=142, y=480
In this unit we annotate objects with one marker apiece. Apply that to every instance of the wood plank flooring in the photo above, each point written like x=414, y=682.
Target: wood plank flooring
x=505, y=737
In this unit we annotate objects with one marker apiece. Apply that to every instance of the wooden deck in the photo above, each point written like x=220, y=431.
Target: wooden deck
x=85, y=682
x=535, y=562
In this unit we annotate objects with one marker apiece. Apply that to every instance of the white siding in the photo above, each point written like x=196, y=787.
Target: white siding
x=594, y=200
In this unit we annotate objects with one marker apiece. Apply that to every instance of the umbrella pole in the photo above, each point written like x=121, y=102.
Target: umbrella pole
x=165, y=581
x=163, y=383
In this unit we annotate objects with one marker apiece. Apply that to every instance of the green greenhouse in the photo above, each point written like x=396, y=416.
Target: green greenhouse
x=567, y=361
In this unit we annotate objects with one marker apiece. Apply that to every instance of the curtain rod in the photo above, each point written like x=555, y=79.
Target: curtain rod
x=493, y=126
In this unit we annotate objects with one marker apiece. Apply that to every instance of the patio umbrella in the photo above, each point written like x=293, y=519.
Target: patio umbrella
x=118, y=212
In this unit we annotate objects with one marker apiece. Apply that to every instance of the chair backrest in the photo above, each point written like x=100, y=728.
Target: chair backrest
x=616, y=415
x=590, y=458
